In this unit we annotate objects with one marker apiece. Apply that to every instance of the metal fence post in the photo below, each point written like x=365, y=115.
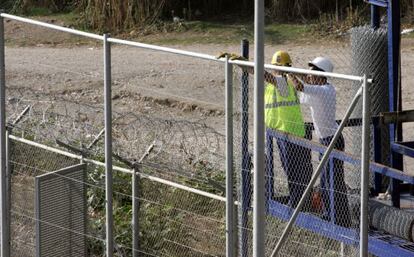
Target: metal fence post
x=8, y=190
x=5, y=235
x=363, y=246
x=135, y=211
x=259, y=134
x=394, y=89
x=377, y=154
x=108, y=146
x=269, y=169
x=245, y=176
x=230, y=235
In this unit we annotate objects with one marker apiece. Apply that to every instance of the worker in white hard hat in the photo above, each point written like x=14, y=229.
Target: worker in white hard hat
x=320, y=95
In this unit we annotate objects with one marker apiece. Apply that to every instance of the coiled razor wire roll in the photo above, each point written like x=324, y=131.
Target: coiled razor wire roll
x=370, y=57
x=392, y=220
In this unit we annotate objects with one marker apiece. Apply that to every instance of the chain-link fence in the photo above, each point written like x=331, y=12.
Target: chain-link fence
x=302, y=115
x=166, y=133
x=168, y=126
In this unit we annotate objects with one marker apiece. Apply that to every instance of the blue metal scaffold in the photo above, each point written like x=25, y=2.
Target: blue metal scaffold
x=380, y=244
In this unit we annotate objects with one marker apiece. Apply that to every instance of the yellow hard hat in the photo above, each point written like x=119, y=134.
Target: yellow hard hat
x=281, y=58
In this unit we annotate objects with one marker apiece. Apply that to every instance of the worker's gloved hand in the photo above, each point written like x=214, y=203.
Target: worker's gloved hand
x=232, y=56
x=222, y=55
x=237, y=57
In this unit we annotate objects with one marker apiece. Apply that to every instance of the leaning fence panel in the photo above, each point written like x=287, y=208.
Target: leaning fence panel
x=61, y=212
x=293, y=151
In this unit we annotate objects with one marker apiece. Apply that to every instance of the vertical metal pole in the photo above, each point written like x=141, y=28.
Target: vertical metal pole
x=332, y=192
x=394, y=36
x=270, y=191
x=375, y=24
x=5, y=239
x=230, y=239
x=8, y=186
x=375, y=16
x=108, y=147
x=363, y=246
x=245, y=172
x=135, y=212
x=259, y=134
x=377, y=155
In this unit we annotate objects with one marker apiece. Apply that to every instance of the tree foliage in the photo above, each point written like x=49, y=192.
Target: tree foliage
x=119, y=15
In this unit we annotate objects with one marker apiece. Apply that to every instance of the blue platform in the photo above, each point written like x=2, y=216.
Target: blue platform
x=380, y=244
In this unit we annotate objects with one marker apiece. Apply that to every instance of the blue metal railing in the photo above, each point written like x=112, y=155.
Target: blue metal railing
x=393, y=246
x=354, y=160
x=381, y=3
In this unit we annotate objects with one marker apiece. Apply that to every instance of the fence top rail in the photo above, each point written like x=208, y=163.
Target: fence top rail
x=304, y=71
x=165, y=49
x=182, y=52
x=52, y=26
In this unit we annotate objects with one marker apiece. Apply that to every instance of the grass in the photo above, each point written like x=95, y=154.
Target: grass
x=200, y=32
x=409, y=35
x=68, y=18
x=39, y=11
x=167, y=33
x=22, y=35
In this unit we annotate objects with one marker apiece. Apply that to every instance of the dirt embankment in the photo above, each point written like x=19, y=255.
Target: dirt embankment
x=152, y=82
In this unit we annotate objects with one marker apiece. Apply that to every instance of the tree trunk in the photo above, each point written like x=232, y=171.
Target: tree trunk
x=27, y=4
x=337, y=10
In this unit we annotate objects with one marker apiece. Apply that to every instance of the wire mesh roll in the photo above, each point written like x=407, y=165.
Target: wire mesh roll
x=394, y=221
x=373, y=206
x=370, y=56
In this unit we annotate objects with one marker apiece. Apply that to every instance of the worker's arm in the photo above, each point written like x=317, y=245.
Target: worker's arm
x=268, y=77
x=297, y=82
x=247, y=69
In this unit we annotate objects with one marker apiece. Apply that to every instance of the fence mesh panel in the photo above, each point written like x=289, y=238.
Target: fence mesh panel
x=173, y=108
x=151, y=107
x=293, y=153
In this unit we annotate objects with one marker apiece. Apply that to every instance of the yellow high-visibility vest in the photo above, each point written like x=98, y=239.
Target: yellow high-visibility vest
x=282, y=109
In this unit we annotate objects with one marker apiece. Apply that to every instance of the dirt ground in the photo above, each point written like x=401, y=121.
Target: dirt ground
x=159, y=84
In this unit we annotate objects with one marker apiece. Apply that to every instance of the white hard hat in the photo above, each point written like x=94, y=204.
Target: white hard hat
x=322, y=63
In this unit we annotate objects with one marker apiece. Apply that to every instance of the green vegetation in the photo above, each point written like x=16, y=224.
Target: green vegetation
x=166, y=213
x=279, y=33
x=69, y=18
x=198, y=32
x=39, y=11
x=127, y=15
x=201, y=22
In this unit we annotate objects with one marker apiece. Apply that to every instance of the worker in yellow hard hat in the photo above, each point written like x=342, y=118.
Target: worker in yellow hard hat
x=281, y=58
x=283, y=113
